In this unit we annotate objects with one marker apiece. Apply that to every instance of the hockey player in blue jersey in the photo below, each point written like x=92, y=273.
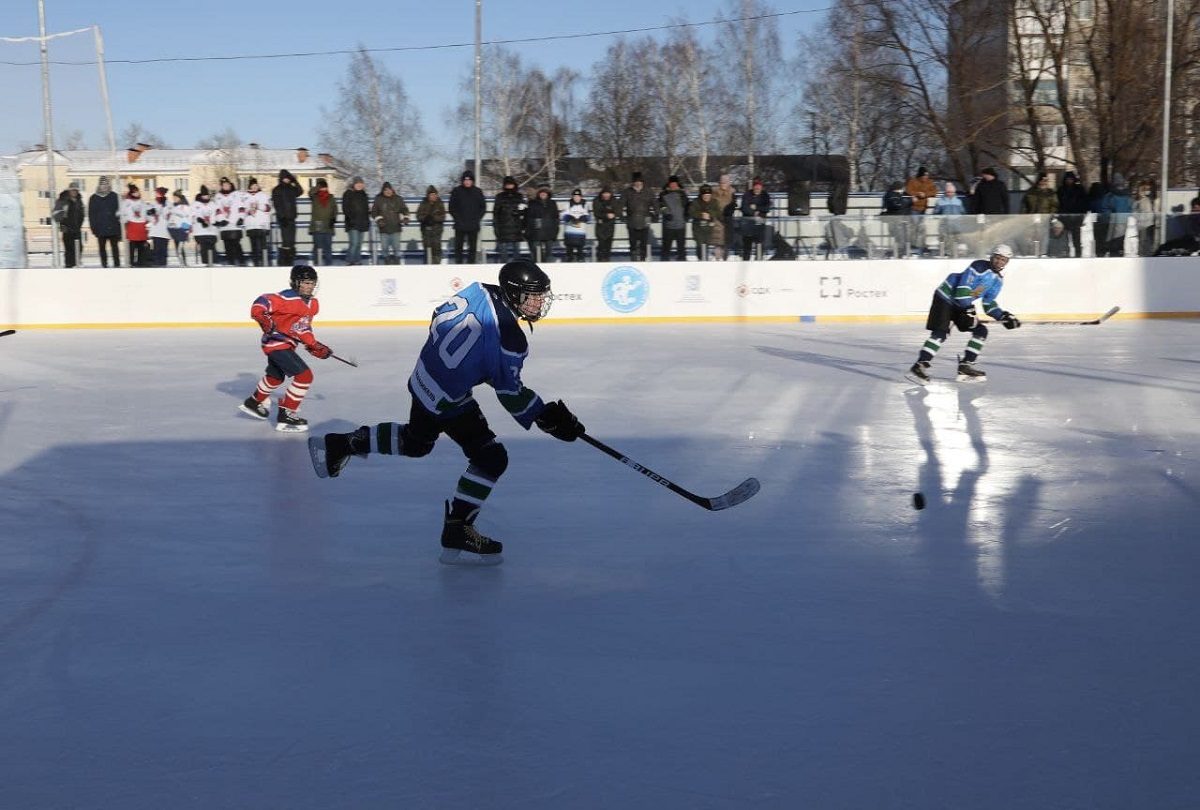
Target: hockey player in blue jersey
x=474, y=338
x=954, y=304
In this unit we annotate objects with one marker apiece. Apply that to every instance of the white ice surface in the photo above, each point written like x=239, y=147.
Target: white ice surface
x=189, y=618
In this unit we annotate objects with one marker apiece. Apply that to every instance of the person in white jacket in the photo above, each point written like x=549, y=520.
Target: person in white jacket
x=231, y=216
x=258, y=222
x=156, y=214
x=133, y=220
x=204, y=214
x=179, y=225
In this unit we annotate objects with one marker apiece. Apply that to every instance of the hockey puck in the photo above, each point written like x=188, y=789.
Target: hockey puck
x=918, y=500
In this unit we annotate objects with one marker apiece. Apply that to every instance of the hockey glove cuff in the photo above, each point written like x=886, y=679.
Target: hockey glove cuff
x=559, y=422
x=319, y=350
x=1011, y=321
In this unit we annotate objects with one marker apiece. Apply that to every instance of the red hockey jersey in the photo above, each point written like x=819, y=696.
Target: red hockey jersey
x=286, y=319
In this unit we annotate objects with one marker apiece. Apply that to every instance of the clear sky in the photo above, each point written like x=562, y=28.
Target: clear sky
x=277, y=102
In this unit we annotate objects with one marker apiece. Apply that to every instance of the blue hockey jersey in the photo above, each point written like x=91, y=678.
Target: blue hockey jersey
x=979, y=280
x=474, y=339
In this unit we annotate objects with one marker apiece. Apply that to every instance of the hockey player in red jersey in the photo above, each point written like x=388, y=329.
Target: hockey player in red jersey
x=286, y=320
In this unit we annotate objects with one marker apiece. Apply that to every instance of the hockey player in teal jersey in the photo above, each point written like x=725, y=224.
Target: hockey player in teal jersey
x=474, y=338
x=954, y=304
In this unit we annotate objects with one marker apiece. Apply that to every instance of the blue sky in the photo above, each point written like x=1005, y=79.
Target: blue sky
x=276, y=102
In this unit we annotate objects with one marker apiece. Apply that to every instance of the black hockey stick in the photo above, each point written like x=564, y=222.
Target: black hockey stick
x=8, y=332
x=1093, y=322
x=742, y=492
x=344, y=360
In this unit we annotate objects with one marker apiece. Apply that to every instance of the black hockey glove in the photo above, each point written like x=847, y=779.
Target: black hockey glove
x=1010, y=321
x=221, y=223
x=559, y=422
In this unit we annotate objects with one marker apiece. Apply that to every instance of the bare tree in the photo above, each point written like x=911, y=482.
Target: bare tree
x=225, y=155
x=751, y=60
x=510, y=99
x=374, y=127
x=134, y=133
x=616, y=114
x=74, y=139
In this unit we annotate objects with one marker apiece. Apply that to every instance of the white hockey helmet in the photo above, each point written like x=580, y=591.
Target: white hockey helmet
x=1002, y=249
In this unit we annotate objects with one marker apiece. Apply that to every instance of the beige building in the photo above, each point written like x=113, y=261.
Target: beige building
x=176, y=169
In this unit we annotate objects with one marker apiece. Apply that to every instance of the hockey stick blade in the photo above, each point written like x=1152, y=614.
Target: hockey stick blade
x=742, y=492
x=1093, y=322
x=8, y=332
x=349, y=362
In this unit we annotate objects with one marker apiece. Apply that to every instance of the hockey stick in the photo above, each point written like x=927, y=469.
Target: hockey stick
x=344, y=360
x=8, y=332
x=1093, y=322
x=742, y=492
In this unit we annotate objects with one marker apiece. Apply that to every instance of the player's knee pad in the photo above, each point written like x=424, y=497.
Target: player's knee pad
x=980, y=331
x=940, y=335
x=305, y=376
x=491, y=458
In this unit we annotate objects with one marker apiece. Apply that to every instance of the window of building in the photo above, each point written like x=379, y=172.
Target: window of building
x=1084, y=10
x=181, y=184
x=1046, y=92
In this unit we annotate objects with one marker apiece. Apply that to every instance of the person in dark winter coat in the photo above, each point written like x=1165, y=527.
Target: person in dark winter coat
x=322, y=221
x=467, y=207
x=283, y=198
x=897, y=207
x=104, y=218
x=541, y=225
x=1072, y=208
x=508, y=211
x=1096, y=194
x=990, y=195
x=68, y=213
x=672, y=207
x=356, y=211
x=431, y=216
x=640, y=210
x=390, y=213
x=756, y=207
x=606, y=210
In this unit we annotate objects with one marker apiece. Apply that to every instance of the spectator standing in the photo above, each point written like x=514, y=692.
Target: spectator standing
x=390, y=212
x=1095, y=197
x=756, y=207
x=160, y=237
x=104, y=218
x=708, y=225
x=356, y=213
x=990, y=194
x=68, y=213
x=575, y=219
x=258, y=222
x=322, y=221
x=1058, y=243
x=204, y=214
x=1072, y=208
x=431, y=216
x=137, y=229
x=541, y=225
x=467, y=207
x=508, y=211
x=1143, y=213
x=726, y=195
x=640, y=211
x=231, y=213
x=897, y=207
x=1041, y=197
x=283, y=200
x=179, y=224
x=673, y=207
x=606, y=210
x=1118, y=205
x=950, y=204
x=923, y=192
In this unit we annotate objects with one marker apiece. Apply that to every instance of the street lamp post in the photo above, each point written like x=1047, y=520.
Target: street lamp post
x=1166, y=133
x=478, y=86
x=48, y=126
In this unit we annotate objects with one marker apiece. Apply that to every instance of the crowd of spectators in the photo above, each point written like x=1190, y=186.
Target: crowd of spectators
x=723, y=222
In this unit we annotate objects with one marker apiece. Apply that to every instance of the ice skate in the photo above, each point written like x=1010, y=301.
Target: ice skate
x=288, y=422
x=919, y=373
x=968, y=373
x=252, y=407
x=460, y=536
x=330, y=453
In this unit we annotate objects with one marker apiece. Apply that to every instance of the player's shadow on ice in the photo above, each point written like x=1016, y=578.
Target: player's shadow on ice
x=834, y=362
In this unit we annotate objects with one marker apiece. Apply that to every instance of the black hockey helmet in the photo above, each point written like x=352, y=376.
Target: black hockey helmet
x=521, y=280
x=302, y=272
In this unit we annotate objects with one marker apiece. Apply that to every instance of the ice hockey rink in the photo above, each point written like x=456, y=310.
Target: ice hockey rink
x=189, y=618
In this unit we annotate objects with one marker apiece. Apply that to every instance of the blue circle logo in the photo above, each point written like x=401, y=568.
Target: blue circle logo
x=625, y=289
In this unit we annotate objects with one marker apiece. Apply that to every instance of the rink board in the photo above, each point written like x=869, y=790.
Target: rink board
x=608, y=293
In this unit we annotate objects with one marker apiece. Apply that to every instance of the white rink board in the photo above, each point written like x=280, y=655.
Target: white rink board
x=609, y=292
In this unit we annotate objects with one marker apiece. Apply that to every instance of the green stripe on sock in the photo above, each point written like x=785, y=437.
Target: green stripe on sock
x=932, y=346
x=472, y=489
